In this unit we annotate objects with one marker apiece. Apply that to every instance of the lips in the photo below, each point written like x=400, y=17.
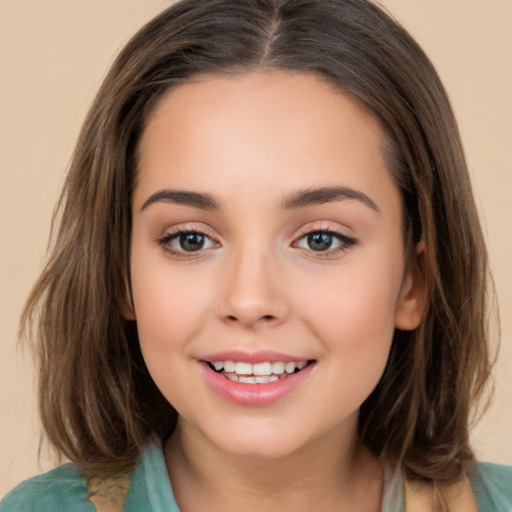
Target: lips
x=255, y=379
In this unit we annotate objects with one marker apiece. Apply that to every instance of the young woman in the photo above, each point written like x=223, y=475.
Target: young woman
x=268, y=286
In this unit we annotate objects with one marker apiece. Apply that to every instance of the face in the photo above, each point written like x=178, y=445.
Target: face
x=267, y=260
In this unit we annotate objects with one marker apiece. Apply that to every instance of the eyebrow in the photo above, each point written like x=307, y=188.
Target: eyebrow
x=316, y=196
x=183, y=197
x=295, y=200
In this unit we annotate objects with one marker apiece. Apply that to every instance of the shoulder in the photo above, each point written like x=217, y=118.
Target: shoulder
x=63, y=488
x=492, y=485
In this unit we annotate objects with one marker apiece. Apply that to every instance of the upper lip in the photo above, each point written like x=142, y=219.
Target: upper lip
x=253, y=357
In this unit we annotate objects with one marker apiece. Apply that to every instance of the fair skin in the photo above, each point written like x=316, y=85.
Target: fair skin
x=267, y=271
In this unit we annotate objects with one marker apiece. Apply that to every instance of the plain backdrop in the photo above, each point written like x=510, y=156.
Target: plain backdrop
x=53, y=56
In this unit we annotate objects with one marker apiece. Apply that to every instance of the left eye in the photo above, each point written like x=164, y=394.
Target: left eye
x=323, y=241
x=189, y=241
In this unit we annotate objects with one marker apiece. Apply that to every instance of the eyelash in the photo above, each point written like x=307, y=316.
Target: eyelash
x=345, y=241
x=166, y=240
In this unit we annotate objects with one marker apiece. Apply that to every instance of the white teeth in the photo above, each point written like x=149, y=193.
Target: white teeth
x=229, y=366
x=278, y=368
x=260, y=373
x=243, y=368
x=247, y=380
x=289, y=367
x=262, y=369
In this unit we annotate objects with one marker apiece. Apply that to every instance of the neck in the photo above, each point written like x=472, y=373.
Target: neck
x=333, y=473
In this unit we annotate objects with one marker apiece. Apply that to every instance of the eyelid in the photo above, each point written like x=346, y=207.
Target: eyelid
x=187, y=227
x=346, y=241
x=172, y=234
x=324, y=226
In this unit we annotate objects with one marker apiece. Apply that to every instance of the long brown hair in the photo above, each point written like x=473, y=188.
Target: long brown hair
x=98, y=403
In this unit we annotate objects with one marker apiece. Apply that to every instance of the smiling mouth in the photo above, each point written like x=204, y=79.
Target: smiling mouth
x=257, y=373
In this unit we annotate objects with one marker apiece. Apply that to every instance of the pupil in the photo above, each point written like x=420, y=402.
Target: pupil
x=191, y=241
x=320, y=241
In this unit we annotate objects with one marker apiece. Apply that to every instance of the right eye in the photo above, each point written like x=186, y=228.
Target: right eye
x=181, y=242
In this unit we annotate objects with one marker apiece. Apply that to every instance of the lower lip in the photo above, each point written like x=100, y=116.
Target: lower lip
x=255, y=395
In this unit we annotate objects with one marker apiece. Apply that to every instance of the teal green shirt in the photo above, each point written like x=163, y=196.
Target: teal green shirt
x=65, y=489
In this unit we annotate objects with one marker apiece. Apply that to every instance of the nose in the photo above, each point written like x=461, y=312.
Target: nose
x=254, y=294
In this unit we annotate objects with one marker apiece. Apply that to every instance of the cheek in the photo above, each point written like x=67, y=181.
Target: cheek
x=170, y=306
x=170, y=309
x=352, y=315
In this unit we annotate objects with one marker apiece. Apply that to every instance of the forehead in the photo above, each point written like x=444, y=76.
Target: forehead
x=293, y=94
x=264, y=126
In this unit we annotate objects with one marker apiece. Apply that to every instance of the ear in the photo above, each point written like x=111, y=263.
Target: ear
x=126, y=303
x=411, y=303
x=127, y=310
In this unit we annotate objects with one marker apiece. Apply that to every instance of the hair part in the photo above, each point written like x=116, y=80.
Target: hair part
x=98, y=402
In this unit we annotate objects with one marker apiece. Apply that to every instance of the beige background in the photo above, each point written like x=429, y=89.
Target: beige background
x=53, y=55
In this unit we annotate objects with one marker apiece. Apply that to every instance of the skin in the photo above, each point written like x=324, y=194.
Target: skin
x=250, y=141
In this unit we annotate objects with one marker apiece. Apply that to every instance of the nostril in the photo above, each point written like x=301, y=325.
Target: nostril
x=268, y=318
